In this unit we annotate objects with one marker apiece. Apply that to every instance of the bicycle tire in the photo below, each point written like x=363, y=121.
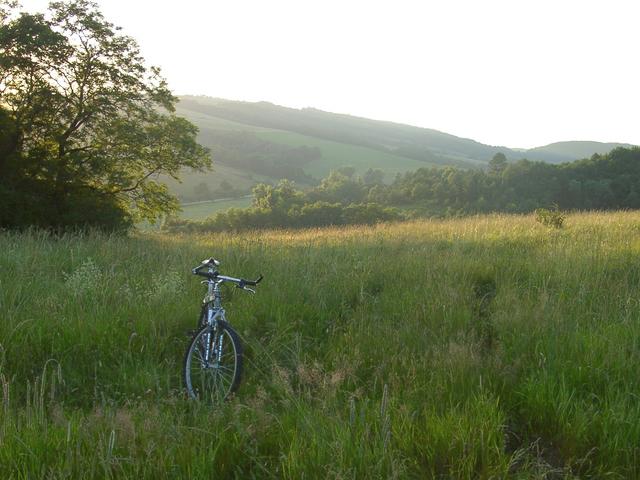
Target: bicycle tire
x=213, y=380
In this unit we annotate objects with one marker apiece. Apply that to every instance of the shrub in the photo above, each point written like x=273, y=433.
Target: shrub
x=550, y=217
x=317, y=214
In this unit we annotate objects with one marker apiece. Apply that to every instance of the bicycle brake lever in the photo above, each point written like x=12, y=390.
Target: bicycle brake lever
x=249, y=290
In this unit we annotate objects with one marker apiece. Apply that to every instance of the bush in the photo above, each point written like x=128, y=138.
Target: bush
x=28, y=203
x=317, y=214
x=550, y=217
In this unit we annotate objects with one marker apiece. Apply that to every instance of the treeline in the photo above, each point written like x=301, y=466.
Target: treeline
x=340, y=199
x=317, y=214
x=603, y=182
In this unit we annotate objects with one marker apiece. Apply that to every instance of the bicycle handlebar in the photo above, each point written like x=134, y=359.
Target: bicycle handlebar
x=214, y=275
x=253, y=283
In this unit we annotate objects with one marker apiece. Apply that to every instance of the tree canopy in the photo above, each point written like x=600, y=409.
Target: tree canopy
x=85, y=126
x=603, y=182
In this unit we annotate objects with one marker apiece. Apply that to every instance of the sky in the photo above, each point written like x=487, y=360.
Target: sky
x=513, y=73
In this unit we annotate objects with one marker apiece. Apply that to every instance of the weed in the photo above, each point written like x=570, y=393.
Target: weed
x=166, y=286
x=85, y=278
x=484, y=289
x=550, y=217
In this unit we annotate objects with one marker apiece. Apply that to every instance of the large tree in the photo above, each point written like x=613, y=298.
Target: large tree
x=84, y=121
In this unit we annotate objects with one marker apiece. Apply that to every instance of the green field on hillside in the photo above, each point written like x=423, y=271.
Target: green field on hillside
x=244, y=182
x=485, y=347
x=336, y=155
x=333, y=155
x=340, y=139
x=202, y=210
x=205, y=121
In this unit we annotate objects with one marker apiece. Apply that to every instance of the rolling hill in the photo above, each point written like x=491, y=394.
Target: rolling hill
x=569, y=151
x=263, y=142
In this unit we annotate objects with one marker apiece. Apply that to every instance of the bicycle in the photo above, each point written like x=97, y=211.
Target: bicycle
x=213, y=360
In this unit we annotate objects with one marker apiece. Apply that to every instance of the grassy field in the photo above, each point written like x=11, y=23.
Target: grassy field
x=486, y=347
x=205, y=121
x=202, y=210
x=336, y=155
x=220, y=173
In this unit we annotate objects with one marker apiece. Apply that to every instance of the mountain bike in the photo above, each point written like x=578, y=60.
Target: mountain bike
x=213, y=360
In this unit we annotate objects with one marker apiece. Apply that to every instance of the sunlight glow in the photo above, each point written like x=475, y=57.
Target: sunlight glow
x=519, y=74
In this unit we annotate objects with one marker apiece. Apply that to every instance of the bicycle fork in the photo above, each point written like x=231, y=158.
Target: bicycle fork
x=213, y=340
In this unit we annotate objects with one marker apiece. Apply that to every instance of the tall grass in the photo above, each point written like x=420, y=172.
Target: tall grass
x=486, y=347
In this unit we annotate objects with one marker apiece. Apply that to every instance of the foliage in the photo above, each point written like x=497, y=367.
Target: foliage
x=498, y=163
x=339, y=200
x=83, y=121
x=252, y=147
x=317, y=214
x=604, y=182
x=550, y=217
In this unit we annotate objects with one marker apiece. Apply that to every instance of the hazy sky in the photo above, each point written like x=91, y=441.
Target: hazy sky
x=514, y=72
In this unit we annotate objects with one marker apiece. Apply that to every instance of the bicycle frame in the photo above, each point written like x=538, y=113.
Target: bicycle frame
x=212, y=302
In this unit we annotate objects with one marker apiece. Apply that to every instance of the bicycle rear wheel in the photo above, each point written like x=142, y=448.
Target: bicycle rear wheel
x=213, y=363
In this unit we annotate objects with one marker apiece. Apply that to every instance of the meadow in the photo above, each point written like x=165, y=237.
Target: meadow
x=336, y=155
x=202, y=210
x=483, y=347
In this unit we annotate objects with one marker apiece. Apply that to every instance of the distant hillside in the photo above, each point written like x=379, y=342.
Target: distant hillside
x=421, y=144
x=568, y=151
x=254, y=142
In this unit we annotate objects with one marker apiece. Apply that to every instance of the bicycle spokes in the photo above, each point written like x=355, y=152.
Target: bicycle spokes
x=213, y=364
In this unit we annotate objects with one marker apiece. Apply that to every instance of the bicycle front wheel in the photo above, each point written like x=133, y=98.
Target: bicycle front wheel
x=213, y=363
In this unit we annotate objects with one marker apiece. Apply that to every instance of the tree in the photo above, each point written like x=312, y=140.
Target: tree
x=373, y=177
x=281, y=197
x=498, y=163
x=338, y=187
x=89, y=119
x=348, y=171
